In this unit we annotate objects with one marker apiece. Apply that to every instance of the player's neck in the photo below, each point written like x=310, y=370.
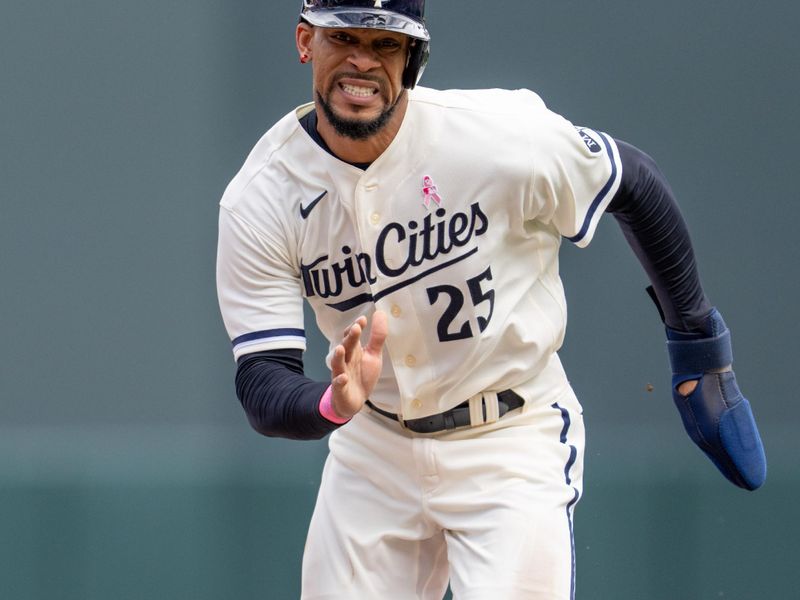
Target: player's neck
x=362, y=151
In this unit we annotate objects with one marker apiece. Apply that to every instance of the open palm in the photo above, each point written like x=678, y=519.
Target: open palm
x=355, y=368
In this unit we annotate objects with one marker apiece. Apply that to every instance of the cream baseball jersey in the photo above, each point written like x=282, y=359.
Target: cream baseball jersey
x=453, y=231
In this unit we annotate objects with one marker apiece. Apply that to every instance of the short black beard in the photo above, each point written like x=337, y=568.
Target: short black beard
x=353, y=128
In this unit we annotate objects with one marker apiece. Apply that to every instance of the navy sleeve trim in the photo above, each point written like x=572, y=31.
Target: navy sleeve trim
x=646, y=211
x=268, y=333
x=602, y=195
x=273, y=335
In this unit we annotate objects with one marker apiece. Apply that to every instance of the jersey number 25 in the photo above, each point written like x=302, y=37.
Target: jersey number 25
x=456, y=302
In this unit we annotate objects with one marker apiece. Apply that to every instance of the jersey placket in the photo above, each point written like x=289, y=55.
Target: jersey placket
x=375, y=196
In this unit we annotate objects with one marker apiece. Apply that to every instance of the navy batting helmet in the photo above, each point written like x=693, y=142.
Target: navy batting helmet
x=401, y=16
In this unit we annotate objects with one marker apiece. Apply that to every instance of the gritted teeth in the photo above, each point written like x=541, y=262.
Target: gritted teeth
x=357, y=90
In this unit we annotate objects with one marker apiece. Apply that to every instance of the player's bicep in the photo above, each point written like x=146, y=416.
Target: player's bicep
x=258, y=289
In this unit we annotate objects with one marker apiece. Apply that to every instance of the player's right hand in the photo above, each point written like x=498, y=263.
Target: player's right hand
x=715, y=414
x=355, y=368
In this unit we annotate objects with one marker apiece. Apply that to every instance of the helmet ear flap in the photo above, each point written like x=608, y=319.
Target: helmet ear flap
x=415, y=65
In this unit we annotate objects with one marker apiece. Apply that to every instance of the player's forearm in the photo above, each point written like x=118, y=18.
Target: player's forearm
x=648, y=214
x=278, y=399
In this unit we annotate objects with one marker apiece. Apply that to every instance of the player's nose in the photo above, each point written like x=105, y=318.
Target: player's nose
x=363, y=58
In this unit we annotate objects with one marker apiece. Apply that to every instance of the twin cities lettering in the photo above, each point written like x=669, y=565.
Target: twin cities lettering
x=436, y=243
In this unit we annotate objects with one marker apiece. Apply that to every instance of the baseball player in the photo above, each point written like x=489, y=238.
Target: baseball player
x=423, y=228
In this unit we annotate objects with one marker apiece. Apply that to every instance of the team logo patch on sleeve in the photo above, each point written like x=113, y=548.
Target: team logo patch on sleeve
x=592, y=143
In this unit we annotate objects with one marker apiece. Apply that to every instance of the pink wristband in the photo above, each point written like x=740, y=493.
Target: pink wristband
x=326, y=410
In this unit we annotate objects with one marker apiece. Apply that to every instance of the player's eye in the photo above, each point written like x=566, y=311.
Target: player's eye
x=387, y=45
x=341, y=36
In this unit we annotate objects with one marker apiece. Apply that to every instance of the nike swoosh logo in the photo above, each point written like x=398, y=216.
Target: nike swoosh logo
x=304, y=212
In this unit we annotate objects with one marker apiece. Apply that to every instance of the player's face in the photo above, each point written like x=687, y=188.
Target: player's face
x=357, y=76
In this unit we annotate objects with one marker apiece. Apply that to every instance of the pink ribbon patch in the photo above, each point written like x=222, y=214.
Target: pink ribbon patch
x=430, y=192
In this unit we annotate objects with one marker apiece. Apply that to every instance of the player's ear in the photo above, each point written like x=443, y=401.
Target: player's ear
x=303, y=38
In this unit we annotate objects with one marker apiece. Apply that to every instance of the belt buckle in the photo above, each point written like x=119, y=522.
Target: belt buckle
x=484, y=408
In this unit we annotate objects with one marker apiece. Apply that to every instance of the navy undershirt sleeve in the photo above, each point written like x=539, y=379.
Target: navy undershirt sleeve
x=278, y=399
x=646, y=210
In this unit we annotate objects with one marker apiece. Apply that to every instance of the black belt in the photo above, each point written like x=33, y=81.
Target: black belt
x=457, y=416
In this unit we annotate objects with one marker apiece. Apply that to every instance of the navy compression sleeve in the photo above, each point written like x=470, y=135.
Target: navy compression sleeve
x=645, y=208
x=278, y=399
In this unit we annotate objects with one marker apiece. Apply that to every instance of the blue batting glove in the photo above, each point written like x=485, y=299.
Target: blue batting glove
x=716, y=415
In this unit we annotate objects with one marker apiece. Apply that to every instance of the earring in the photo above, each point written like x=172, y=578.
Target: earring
x=304, y=59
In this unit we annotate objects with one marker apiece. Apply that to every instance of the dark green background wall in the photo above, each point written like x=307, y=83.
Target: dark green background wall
x=126, y=467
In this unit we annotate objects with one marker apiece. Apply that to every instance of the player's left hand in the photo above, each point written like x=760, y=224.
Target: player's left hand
x=355, y=368
x=715, y=414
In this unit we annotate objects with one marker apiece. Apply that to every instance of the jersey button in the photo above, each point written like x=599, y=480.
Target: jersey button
x=411, y=360
x=396, y=311
x=416, y=403
x=371, y=187
x=375, y=218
